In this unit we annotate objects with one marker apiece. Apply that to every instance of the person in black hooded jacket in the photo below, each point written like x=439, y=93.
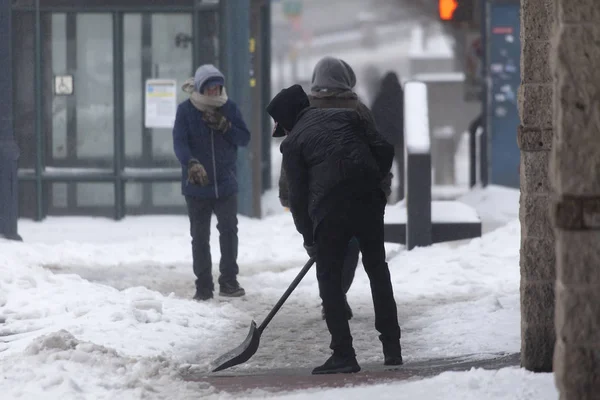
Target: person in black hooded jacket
x=332, y=86
x=334, y=168
x=388, y=112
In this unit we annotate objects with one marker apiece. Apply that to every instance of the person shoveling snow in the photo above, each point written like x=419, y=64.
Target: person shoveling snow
x=335, y=169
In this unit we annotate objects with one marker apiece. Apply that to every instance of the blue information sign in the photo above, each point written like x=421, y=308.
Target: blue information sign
x=504, y=78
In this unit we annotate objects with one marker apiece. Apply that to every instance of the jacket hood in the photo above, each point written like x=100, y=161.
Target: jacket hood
x=207, y=73
x=332, y=73
x=285, y=108
x=389, y=81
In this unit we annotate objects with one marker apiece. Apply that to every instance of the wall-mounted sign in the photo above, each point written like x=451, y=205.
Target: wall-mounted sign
x=503, y=63
x=161, y=103
x=63, y=85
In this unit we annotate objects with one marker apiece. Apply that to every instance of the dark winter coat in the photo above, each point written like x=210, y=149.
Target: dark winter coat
x=388, y=109
x=331, y=87
x=216, y=151
x=335, y=100
x=328, y=157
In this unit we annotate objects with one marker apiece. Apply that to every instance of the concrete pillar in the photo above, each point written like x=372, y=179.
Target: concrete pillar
x=537, y=258
x=575, y=174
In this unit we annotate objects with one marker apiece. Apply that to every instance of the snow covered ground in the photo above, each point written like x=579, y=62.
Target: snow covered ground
x=477, y=384
x=94, y=308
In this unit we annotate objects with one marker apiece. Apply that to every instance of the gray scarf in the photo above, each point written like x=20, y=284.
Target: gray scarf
x=335, y=93
x=202, y=102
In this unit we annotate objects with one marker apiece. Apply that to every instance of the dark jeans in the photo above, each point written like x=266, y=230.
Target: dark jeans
x=363, y=219
x=200, y=213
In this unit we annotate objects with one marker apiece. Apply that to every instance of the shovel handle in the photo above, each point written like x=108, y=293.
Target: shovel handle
x=287, y=293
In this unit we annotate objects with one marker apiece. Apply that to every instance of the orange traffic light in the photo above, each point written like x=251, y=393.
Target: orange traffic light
x=446, y=9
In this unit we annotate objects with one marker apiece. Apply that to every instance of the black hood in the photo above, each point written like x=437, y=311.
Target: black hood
x=285, y=108
x=391, y=83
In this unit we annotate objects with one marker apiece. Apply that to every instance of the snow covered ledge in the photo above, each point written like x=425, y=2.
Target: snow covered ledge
x=416, y=118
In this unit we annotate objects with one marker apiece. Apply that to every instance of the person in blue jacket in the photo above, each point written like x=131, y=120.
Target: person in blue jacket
x=208, y=130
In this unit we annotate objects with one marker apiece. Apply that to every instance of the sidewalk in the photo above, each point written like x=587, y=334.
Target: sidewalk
x=280, y=380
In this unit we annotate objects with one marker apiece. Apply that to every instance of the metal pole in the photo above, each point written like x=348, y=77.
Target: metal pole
x=266, y=93
x=235, y=62
x=38, y=114
x=118, y=111
x=256, y=78
x=9, y=151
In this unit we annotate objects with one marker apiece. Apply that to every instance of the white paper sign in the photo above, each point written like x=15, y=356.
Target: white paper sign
x=63, y=85
x=161, y=103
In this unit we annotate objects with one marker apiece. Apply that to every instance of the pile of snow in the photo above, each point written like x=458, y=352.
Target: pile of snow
x=59, y=366
x=441, y=212
x=495, y=204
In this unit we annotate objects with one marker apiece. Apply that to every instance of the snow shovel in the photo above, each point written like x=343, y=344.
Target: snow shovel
x=244, y=351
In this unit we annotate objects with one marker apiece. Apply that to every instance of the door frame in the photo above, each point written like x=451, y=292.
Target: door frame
x=118, y=175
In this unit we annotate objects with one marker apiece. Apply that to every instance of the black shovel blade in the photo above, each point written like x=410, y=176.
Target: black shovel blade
x=242, y=353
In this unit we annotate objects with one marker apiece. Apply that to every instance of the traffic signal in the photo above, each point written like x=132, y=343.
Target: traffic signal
x=456, y=10
x=447, y=8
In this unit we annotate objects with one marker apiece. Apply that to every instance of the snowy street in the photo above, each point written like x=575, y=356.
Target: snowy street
x=128, y=126
x=94, y=308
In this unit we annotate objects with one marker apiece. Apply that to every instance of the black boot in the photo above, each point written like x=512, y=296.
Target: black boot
x=392, y=353
x=203, y=294
x=338, y=365
x=349, y=314
x=231, y=289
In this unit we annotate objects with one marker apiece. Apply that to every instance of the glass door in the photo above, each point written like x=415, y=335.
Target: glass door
x=78, y=82
x=156, y=46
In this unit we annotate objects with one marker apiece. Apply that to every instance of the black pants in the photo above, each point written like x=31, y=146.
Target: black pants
x=363, y=219
x=350, y=264
x=200, y=213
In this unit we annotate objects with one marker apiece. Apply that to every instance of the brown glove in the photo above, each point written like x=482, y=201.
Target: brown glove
x=196, y=173
x=217, y=121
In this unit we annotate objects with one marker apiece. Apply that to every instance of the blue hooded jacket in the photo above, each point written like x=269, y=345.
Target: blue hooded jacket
x=216, y=151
